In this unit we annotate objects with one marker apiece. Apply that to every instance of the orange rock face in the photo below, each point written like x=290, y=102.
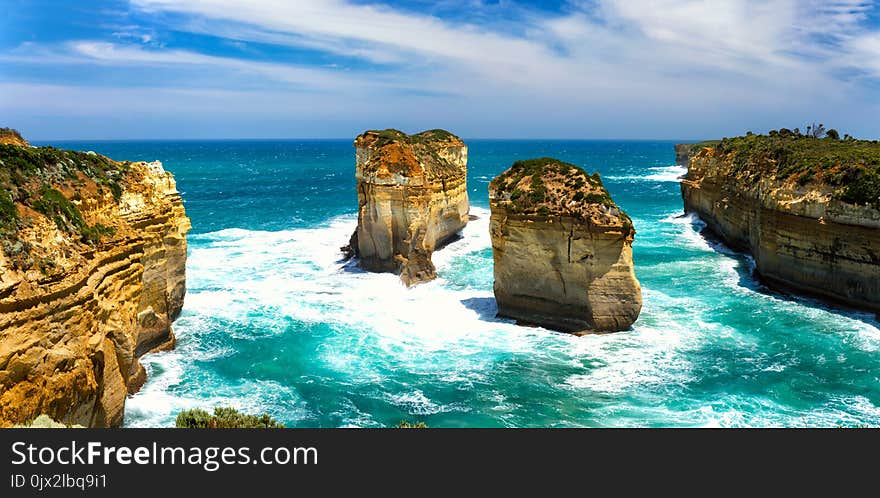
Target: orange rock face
x=77, y=313
x=9, y=136
x=412, y=198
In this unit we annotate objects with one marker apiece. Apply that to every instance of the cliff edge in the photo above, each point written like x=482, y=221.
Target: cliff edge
x=562, y=249
x=807, y=209
x=92, y=273
x=8, y=136
x=684, y=152
x=412, y=198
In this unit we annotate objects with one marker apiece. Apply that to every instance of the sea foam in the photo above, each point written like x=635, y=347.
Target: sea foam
x=437, y=350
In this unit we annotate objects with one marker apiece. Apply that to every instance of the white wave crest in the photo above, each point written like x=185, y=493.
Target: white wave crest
x=656, y=174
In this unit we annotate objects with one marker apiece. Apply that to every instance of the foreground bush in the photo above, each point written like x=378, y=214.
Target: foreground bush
x=224, y=418
x=46, y=422
x=414, y=425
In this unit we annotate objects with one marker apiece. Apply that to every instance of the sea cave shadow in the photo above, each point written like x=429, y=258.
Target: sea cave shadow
x=349, y=264
x=749, y=278
x=485, y=307
x=448, y=240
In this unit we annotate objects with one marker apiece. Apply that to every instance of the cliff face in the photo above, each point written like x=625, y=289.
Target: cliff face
x=8, y=136
x=92, y=273
x=684, y=152
x=800, y=206
x=562, y=250
x=412, y=198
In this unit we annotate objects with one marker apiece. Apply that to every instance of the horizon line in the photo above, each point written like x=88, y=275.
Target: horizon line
x=265, y=139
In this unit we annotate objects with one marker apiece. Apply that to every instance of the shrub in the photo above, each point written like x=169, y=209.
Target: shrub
x=850, y=165
x=597, y=199
x=46, y=422
x=8, y=214
x=224, y=418
x=414, y=425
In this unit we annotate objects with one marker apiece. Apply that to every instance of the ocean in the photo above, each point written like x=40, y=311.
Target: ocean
x=274, y=322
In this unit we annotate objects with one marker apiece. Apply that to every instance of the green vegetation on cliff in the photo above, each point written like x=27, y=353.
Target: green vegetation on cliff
x=424, y=152
x=224, y=418
x=546, y=179
x=852, y=166
x=29, y=176
x=8, y=135
x=390, y=135
x=704, y=144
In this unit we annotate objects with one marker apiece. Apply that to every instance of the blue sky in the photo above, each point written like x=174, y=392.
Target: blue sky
x=666, y=69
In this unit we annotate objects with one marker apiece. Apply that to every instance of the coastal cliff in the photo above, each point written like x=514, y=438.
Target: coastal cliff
x=92, y=273
x=562, y=249
x=807, y=209
x=412, y=198
x=8, y=136
x=684, y=152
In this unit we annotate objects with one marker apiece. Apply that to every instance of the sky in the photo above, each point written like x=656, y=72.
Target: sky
x=591, y=69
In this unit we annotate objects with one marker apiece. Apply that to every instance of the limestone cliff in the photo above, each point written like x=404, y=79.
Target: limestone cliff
x=806, y=209
x=8, y=136
x=562, y=249
x=684, y=152
x=412, y=198
x=92, y=273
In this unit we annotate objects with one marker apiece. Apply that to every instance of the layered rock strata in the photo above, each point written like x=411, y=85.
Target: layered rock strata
x=562, y=249
x=806, y=209
x=412, y=199
x=92, y=273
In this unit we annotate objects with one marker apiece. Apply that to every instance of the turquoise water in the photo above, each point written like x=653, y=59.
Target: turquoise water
x=274, y=322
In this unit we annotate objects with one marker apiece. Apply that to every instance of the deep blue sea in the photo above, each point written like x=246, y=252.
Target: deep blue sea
x=274, y=322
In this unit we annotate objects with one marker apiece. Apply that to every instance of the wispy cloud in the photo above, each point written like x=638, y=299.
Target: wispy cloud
x=100, y=53
x=713, y=66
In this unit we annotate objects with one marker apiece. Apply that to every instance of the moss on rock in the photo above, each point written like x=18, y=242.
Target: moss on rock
x=546, y=186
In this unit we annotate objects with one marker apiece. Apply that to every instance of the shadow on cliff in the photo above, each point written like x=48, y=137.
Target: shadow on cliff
x=749, y=278
x=485, y=307
x=349, y=265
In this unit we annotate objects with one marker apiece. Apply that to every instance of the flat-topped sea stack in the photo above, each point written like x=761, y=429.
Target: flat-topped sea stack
x=92, y=273
x=412, y=198
x=807, y=209
x=562, y=249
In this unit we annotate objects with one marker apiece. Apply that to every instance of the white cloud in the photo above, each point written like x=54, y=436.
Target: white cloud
x=614, y=40
x=702, y=61
x=864, y=52
x=99, y=53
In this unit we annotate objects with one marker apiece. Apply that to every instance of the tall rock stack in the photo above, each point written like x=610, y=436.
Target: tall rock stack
x=412, y=198
x=562, y=249
x=92, y=273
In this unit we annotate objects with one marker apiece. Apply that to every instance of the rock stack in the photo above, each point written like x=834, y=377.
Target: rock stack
x=562, y=249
